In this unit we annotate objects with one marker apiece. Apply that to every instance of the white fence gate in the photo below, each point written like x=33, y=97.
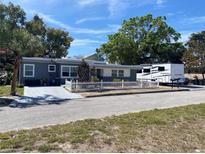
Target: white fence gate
x=100, y=86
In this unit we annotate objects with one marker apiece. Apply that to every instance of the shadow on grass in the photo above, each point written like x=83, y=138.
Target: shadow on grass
x=25, y=102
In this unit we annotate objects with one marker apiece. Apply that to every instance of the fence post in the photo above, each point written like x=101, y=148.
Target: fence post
x=122, y=83
x=76, y=85
x=101, y=84
x=71, y=85
x=141, y=83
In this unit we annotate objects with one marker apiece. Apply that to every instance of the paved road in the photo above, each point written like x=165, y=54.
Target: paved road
x=41, y=115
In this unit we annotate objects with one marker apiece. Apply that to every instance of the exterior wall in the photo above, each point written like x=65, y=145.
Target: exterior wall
x=171, y=71
x=164, y=76
x=40, y=72
x=107, y=72
x=133, y=75
x=177, y=71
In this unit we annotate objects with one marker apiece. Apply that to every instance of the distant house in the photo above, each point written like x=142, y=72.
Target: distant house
x=47, y=71
x=95, y=57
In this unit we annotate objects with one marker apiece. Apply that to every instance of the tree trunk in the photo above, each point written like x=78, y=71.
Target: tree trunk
x=15, y=73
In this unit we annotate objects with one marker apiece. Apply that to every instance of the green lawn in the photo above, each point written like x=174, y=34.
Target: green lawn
x=5, y=90
x=180, y=129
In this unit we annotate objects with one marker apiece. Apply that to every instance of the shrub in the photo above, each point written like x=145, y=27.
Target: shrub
x=84, y=72
x=116, y=80
x=94, y=79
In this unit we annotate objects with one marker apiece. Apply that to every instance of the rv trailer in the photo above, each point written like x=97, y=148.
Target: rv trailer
x=164, y=73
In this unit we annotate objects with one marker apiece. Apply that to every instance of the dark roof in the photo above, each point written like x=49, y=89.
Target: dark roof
x=91, y=63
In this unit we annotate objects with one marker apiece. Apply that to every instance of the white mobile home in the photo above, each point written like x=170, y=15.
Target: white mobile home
x=164, y=73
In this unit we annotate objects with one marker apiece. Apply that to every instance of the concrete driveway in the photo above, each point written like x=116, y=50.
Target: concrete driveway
x=43, y=95
x=72, y=110
x=50, y=93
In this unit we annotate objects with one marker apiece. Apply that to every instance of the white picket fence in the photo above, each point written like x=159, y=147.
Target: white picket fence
x=100, y=86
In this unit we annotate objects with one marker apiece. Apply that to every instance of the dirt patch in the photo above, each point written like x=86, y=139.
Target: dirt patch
x=192, y=76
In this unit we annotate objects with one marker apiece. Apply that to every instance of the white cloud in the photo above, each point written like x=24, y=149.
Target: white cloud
x=51, y=20
x=89, y=19
x=192, y=20
x=160, y=3
x=114, y=27
x=185, y=36
x=85, y=42
x=116, y=7
x=60, y=24
x=196, y=20
x=84, y=3
x=170, y=14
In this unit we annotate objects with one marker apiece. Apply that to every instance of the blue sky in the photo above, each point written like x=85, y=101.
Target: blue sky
x=90, y=21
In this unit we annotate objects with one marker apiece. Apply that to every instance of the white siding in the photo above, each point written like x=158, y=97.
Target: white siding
x=177, y=71
x=107, y=72
x=171, y=71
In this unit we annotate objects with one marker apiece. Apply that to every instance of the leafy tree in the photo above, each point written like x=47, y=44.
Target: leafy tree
x=23, y=44
x=37, y=27
x=31, y=38
x=143, y=40
x=15, y=38
x=57, y=43
x=171, y=53
x=84, y=72
x=194, y=57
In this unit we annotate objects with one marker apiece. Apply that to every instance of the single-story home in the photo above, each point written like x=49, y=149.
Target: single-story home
x=49, y=71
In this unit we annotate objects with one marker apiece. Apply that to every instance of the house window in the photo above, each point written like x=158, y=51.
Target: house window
x=51, y=68
x=73, y=71
x=139, y=71
x=114, y=73
x=146, y=70
x=121, y=73
x=161, y=69
x=29, y=70
x=65, y=71
x=69, y=71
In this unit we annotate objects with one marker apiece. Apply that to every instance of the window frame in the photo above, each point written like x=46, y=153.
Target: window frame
x=160, y=68
x=69, y=71
x=123, y=74
x=51, y=70
x=146, y=71
x=116, y=73
x=33, y=71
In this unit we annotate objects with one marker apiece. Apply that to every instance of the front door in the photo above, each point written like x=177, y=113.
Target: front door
x=99, y=73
